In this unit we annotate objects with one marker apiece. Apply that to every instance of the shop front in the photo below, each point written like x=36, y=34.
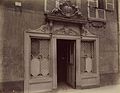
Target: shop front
x=61, y=51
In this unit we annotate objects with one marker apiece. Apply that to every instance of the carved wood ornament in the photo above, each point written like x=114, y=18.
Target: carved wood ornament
x=66, y=12
x=66, y=31
x=45, y=29
x=67, y=9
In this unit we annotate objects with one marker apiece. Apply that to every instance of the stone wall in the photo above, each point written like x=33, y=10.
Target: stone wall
x=13, y=24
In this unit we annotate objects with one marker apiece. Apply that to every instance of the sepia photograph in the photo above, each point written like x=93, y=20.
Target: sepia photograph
x=59, y=46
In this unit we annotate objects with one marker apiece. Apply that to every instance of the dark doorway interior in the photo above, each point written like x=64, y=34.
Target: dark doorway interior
x=65, y=48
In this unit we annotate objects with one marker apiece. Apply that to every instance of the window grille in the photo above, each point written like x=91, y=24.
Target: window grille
x=88, y=49
x=39, y=57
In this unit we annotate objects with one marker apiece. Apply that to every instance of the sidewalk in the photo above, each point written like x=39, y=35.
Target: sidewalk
x=105, y=89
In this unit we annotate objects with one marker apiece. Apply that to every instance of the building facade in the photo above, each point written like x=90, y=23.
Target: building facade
x=46, y=42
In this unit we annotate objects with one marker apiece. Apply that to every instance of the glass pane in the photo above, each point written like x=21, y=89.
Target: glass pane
x=51, y=4
x=101, y=13
x=110, y=7
x=92, y=12
x=39, y=64
x=93, y=4
x=110, y=1
x=88, y=58
x=101, y=4
x=72, y=1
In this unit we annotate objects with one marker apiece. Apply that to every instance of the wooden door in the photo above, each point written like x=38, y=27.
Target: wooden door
x=71, y=68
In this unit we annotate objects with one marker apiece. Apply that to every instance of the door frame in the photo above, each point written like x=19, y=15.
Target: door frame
x=54, y=56
x=71, y=64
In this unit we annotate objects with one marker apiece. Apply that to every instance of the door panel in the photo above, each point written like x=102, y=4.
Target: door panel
x=71, y=65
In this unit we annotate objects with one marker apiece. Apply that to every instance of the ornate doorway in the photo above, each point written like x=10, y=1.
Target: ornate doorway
x=66, y=62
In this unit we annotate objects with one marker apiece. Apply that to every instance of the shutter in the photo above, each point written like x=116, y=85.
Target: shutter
x=51, y=4
x=110, y=5
x=93, y=3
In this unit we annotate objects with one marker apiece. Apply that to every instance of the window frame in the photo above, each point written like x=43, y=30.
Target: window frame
x=45, y=5
x=97, y=10
x=93, y=2
x=112, y=4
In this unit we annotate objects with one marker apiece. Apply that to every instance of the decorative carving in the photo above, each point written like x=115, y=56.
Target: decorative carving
x=98, y=24
x=43, y=29
x=65, y=31
x=85, y=32
x=66, y=12
x=66, y=9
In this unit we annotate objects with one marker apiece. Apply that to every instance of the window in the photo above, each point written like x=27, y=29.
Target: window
x=93, y=3
x=78, y=3
x=49, y=5
x=61, y=1
x=88, y=57
x=110, y=5
x=96, y=9
x=40, y=62
x=101, y=4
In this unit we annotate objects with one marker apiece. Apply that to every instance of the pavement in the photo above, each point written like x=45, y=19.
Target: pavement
x=67, y=89
x=105, y=89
